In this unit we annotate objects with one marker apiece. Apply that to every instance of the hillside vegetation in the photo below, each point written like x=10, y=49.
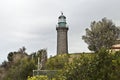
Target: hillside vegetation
x=102, y=65
x=20, y=65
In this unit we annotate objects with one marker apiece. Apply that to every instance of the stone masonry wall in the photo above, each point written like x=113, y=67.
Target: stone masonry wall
x=62, y=41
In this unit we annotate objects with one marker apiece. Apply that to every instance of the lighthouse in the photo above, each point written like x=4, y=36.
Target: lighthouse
x=62, y=38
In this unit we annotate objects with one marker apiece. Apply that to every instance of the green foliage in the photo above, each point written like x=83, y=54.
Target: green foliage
x=22, y=50
x=57, y=62
x=102, y=66
x=5, y=64
x=42, y=55
x=20, y=65
x=42, y=77
x=77, y=67
x=38, y=78
x=37, y=54
x=21, y=70
x=16, y=55
x=10, y=56
x=101, y=34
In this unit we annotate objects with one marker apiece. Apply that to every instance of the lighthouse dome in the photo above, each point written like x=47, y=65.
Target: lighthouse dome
x=62, y=20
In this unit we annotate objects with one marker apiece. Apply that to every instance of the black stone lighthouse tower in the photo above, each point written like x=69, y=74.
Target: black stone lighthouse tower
x=62, y=39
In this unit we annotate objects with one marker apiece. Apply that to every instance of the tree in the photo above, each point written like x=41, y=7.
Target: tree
x=20, y=65
x=42, y=55
x=22, y=50
x=102, y=66
x=21, y=70
x=77, y=69
x=102, y=34
x=10, y=56
x=57, y=62
x=20, y=53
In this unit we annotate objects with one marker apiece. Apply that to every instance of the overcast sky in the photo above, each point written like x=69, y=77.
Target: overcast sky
x=32, y=23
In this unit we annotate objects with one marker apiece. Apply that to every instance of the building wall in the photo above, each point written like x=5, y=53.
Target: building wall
x=62, y=40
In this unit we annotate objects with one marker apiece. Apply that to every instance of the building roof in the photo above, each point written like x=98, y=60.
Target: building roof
x=116, y=46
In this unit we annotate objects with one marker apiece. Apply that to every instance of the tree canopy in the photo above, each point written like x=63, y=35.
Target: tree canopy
x=20, y=64
x=103, y=33
x=101, y=66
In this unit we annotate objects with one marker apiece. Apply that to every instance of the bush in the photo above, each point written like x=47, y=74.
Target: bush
x=42, y=77
x=21, y=70
x=103, y=66
x=38, y=78
x=58, y=62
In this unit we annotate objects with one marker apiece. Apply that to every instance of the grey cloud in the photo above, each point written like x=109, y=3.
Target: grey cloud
x=32, y=23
